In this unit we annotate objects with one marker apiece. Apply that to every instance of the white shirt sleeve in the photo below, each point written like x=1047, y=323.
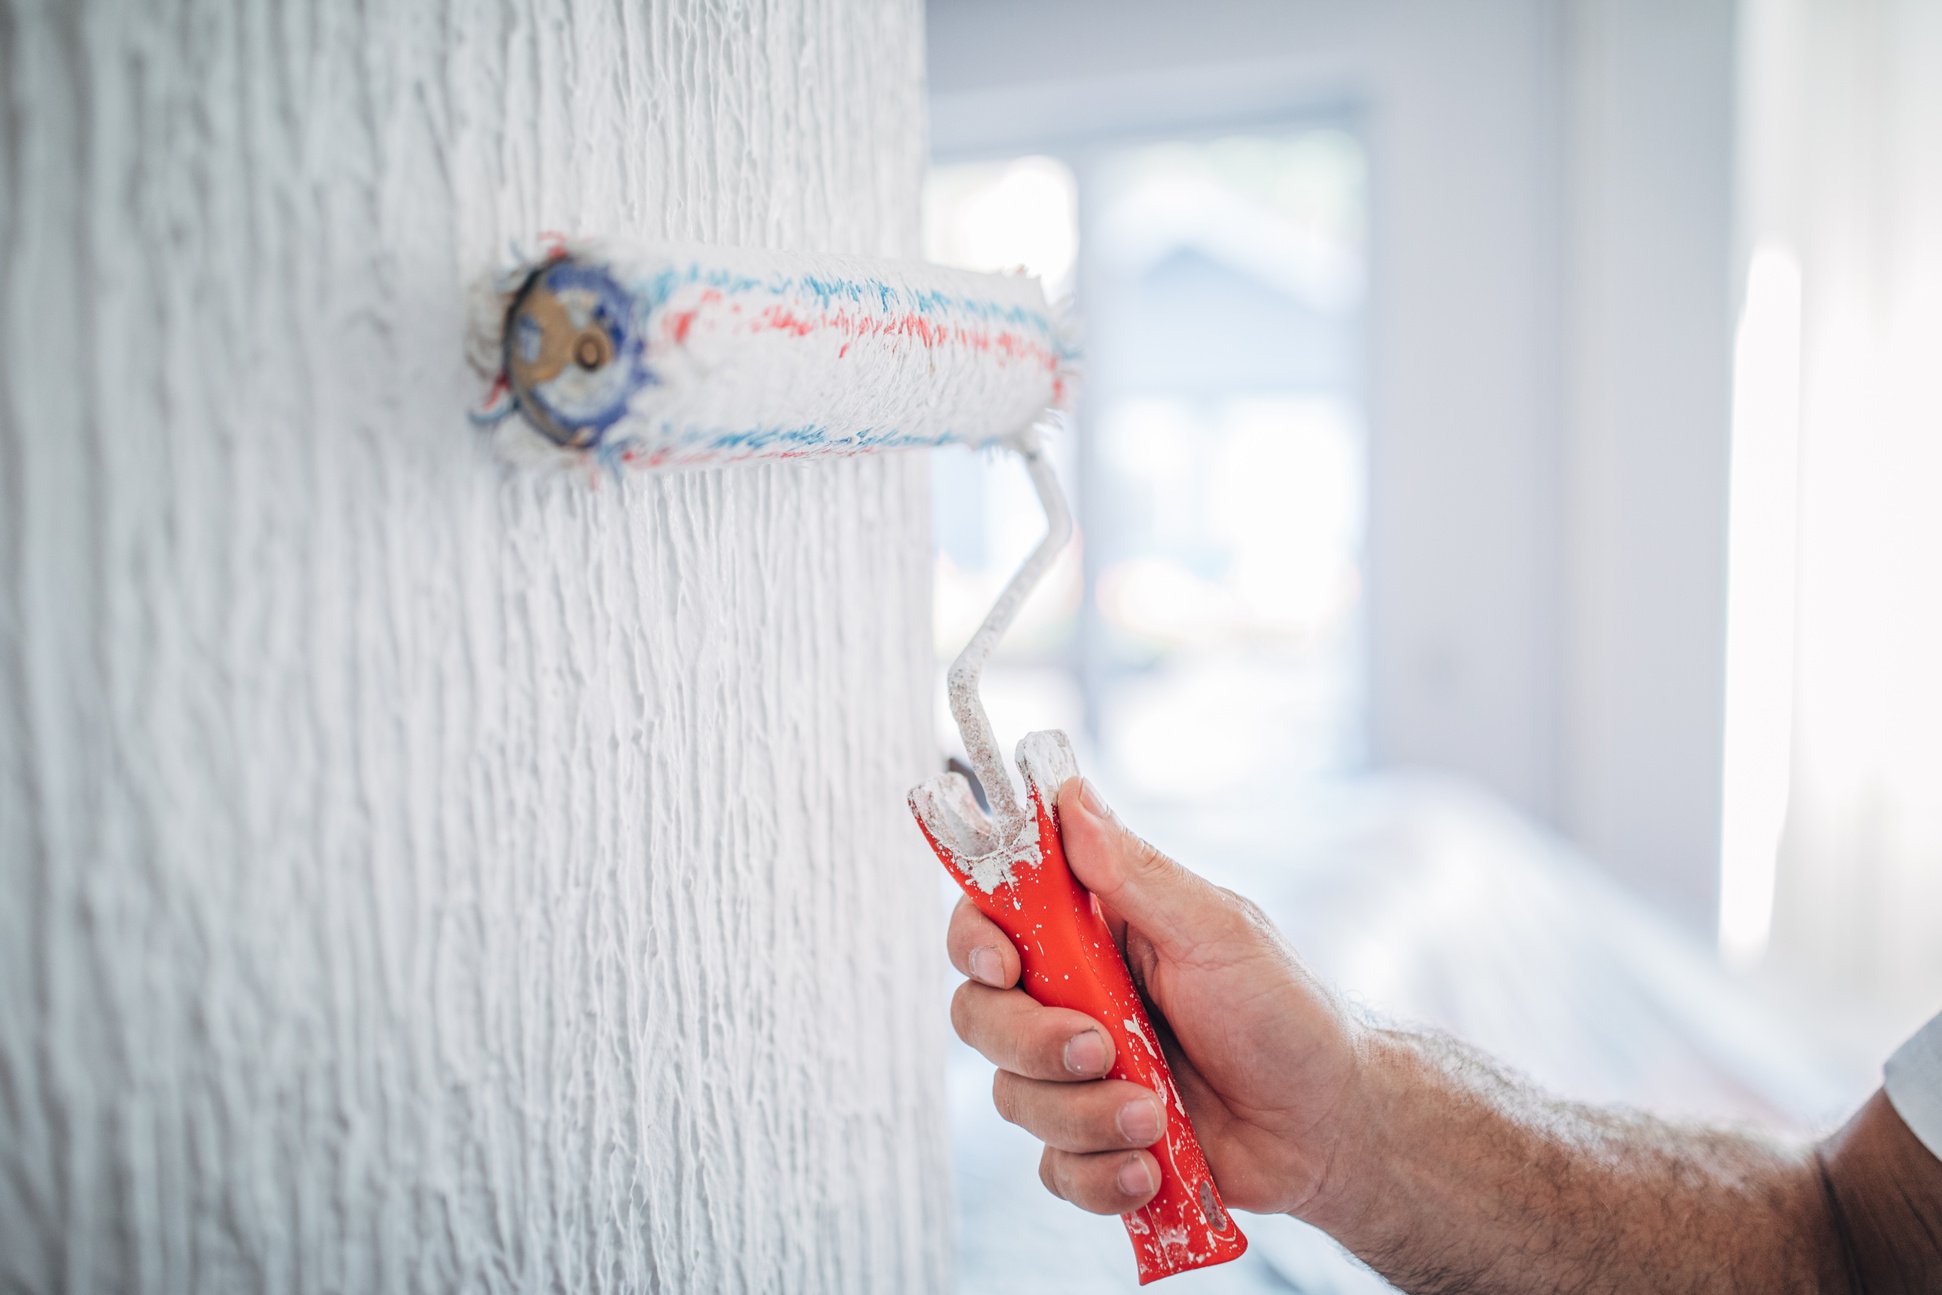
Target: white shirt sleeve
x=1913, y=1081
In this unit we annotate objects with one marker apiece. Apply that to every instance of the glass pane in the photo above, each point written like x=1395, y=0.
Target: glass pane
x=1217, y=463
x=1228, y=592
x=996, y=217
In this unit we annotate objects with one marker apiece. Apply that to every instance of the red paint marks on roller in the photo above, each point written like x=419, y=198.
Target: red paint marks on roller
x=781, y=319
x=683, y=321
x=922, y=329
x=914, y=326
x=855, y=331
x=1009, y=346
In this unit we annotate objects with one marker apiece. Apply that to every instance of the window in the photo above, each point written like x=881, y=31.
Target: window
x=1204, y=641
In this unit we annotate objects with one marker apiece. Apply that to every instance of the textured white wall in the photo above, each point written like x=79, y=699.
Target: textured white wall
x=413, y=878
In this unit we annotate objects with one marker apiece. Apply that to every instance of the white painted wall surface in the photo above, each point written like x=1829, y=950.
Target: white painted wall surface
x=413, y=878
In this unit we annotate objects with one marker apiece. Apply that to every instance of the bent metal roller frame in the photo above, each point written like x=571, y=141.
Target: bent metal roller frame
x=665, y=357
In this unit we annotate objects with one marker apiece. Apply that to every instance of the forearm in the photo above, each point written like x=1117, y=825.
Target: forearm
x=1457, y=1177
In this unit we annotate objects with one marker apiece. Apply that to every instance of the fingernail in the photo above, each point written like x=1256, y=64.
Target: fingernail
x=1090, y=798
x=1135, y=1179
x=987, y=966
x=1085, y=1054
x=1139, y=1122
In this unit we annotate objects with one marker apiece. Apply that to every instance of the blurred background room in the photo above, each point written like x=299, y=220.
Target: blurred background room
x=1505, y=470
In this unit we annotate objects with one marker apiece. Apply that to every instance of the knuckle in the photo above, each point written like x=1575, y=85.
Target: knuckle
x=1005, y=1094
x=1247, y=917
x=1092, y=1183
x=1244, y=906
x=964, y=919
x=957, y=946
x=1083, y=1118
x=1048, y=1173
x=1142, y=856
x=962, y=1010
x=1045, y=1052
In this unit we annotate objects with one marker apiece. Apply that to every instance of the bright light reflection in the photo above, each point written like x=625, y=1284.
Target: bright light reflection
x=1760, y=597
x=1002, y=216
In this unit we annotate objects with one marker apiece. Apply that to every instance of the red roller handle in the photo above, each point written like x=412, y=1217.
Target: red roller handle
x=1070, y=960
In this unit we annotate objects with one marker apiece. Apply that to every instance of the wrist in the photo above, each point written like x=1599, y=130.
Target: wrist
x=1352, y=1140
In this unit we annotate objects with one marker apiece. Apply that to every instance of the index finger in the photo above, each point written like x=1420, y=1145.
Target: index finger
x=979, y=949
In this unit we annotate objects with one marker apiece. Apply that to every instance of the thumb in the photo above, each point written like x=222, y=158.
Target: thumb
x=1165, y=902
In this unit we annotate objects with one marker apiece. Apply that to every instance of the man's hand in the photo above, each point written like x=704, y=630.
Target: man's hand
x=1264, y=1055
x=1439, y=1169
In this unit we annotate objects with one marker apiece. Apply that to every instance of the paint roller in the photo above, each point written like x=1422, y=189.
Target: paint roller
x=610, y=357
